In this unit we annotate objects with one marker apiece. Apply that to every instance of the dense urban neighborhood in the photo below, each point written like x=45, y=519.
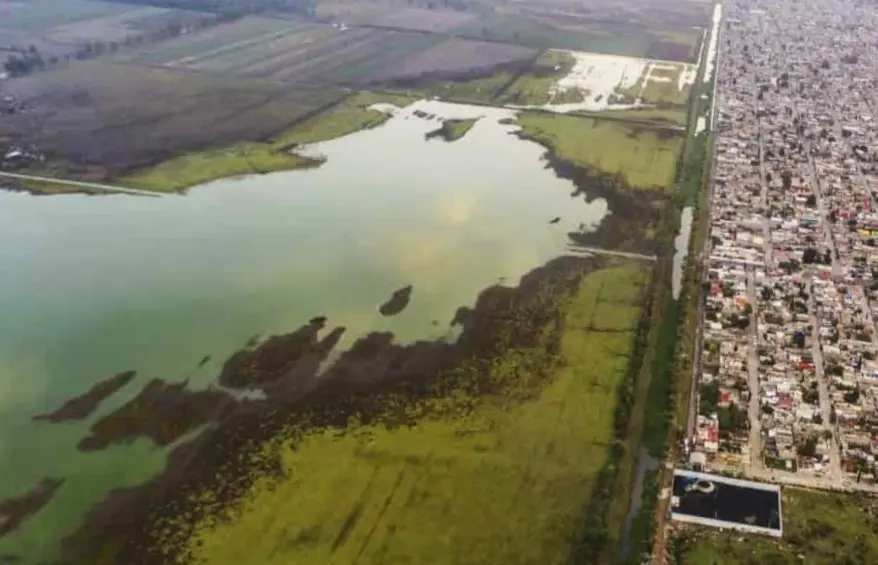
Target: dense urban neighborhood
x=788, y=376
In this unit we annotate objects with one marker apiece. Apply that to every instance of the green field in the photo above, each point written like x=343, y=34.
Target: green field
x=533, y=87
x=658, y=116
x=645, y=157
x=661, y=88
x=819, y=529
x=246, y=158
x=478, y=480
x=483, y=90
x=38, y=15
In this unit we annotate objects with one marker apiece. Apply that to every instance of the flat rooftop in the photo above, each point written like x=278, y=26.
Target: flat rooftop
x=722, y=502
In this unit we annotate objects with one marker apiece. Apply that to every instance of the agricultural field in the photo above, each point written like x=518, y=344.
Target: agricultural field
x=61, y=29
x=414, y=19
x=134, y=117
x=456, y=58
x=553, y=32
x=288, y=51
x=221, y=39
x=474, y=479
x=645, y=157
x=827, y=528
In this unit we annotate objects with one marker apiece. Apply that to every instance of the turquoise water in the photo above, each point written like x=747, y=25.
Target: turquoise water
x=94, y=285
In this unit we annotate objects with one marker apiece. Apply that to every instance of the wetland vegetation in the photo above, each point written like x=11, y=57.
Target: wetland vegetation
x=452, y=130
x=645, y=157
x=516, y=419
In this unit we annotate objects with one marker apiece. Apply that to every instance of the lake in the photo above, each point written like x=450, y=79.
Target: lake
x=94, y=285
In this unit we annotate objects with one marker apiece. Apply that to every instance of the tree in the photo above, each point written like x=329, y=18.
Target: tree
x=809, y=256
x=786, y=178
x=808, y=448
x=811, y=201
x=852, y=396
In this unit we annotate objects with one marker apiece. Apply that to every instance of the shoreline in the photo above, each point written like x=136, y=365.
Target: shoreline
x=252, y=431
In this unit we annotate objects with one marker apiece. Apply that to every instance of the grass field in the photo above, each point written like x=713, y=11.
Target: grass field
x=668, y=116
x=482, y=90
x=819, y=529
x=645, y=157
x=483, y=480
x=534, y=87
x=256, y=158
x=662, y=83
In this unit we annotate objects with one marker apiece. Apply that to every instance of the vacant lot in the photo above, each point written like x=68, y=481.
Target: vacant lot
x=474, y=480
x=644, y=157
x=825, y=528
x=133, y=116
x=456, y=58
x=592, y=83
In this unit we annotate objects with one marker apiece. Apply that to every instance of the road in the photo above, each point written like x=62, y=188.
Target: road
x=84, y=184
x=755, y=443
x=766, y=226
x=822, y=388
x=581, y=249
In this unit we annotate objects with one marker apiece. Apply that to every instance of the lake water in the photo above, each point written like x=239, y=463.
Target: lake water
x=681, y=251
x=94, y=285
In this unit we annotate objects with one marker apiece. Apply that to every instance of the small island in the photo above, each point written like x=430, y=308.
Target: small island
x=162, y=412
x=397, y=301
x=84, y=405
x=452, y=130
x=16, y=509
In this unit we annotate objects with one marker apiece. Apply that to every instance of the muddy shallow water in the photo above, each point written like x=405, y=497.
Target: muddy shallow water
x=170, y=287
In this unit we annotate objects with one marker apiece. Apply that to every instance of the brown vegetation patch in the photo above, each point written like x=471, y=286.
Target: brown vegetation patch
x=162, y=412
x=17, y=509
x=134, y=117
x=82, y=406
x=669, y=51
x=397, y=301
x=419, y=19
x=456, y=57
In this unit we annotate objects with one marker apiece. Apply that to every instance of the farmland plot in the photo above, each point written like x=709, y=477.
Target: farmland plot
x=418, y=19
x=289, y=51
x=136, y=116
x=224, y=37
x=456, y=57
x=120, y=27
